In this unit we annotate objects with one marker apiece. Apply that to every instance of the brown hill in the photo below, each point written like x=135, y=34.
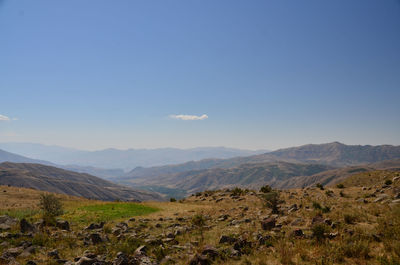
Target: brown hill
x=251, y=175
x=62, y=181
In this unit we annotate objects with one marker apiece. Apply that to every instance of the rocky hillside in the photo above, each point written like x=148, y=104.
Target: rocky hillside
x=52, y=179
x=252, y=175
x=348, y=225
x=333, y=154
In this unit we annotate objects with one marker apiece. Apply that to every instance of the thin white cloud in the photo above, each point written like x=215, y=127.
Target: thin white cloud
x=189, y=117
x=4, y=118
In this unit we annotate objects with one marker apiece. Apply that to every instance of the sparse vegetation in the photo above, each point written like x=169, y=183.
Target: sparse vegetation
x=271, y=200
x=265, y=189
x=388, y=182
x=319, y=232
x=320, y=186
x=312, y=227
x=340, y=186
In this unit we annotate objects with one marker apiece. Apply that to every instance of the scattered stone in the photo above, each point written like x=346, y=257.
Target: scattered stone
x=93, y=226
x=53, y=254
x=6, y=222
x=210, y=252
x=332, y=235
x=199, y=260
x=86, y=261
x=63, y=225
x=95, y=238
x=298, y=233
x=268, y=224
x=227, y=239
x=142, y=250
x=12, y=253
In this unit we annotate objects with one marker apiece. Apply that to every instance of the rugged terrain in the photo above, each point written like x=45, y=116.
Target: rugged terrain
x=286, y=168
x=52, y=179
x=357, y=222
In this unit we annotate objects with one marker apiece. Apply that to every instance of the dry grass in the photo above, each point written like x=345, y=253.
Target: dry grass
x=365, y=233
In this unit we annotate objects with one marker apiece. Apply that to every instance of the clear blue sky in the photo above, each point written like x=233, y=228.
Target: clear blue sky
x=268, y=74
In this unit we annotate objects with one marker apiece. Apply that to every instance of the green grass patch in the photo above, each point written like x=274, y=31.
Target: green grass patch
x=20, y=213
x=107, y=212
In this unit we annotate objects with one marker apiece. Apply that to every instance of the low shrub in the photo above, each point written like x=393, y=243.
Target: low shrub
x=265, y=189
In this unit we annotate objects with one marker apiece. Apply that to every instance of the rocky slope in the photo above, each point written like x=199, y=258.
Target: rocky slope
x=52, y=179
x=347, y=225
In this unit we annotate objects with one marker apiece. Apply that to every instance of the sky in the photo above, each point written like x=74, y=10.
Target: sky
x=253, y=74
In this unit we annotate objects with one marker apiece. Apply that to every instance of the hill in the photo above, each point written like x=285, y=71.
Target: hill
x=332, y=154
x=334, y=176
x=52, y=179
x=217, y=173
x=251, y=175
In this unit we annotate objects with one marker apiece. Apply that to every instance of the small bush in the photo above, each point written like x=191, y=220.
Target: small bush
x=265, y=189
x=319, y=231
x=172, y=200
x=388, y=182
x=341, y=193
x=316, y=206
x=349, y=218
x=198, y=220
x=271, y=200
x=329, y=193
x=340, y=186
x=326, y=209
x=320, y=186
x=50, y=205
x=237, y=192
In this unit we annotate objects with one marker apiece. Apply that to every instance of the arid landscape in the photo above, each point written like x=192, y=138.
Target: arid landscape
x=354, y=222
x=189, y=132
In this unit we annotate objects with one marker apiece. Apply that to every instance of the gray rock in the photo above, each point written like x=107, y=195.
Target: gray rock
x=85, y=261
x=6, y=222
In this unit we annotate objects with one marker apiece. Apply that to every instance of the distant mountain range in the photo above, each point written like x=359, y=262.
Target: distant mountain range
x=285, y=168
x=279, y=168
x=121, y=159
x=52, y=179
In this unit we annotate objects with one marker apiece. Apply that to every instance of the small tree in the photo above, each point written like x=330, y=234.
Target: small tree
x=265, y=189
x=50, y=205
x=272, y=201
x=320, y=186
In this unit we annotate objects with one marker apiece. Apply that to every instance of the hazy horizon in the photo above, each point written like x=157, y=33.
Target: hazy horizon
x=253, y=75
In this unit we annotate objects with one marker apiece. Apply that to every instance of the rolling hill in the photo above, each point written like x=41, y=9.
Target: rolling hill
x=253, y=171
x=52, y=179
